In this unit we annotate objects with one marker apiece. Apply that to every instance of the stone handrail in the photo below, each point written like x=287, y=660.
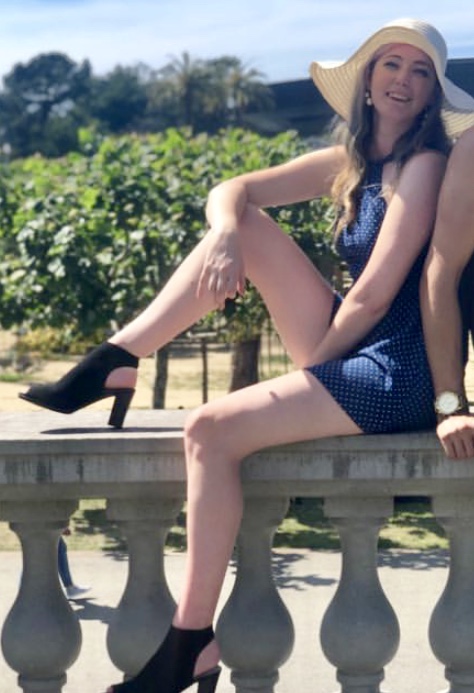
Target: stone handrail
x=48, y=463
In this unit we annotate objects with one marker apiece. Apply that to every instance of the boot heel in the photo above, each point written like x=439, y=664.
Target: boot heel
x=120, y=408
x=207, y=683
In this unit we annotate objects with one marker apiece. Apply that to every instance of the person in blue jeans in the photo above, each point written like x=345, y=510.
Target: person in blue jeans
x=72, y=590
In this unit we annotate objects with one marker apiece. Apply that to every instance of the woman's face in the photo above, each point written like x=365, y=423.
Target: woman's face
x=402, y=83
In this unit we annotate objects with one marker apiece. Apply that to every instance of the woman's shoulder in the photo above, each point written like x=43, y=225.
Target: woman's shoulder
x=428, y=154
x=424, y=161
x=424, y=169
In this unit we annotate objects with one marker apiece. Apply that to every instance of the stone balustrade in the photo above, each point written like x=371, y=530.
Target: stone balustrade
x=49, y=462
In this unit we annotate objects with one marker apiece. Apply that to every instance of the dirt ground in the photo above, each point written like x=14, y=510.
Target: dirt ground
x=184, y=381
x=180, y=370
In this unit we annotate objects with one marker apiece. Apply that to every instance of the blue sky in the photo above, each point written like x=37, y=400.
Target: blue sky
x=277, y=37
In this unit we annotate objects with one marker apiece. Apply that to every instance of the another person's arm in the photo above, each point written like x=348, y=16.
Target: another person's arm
x=451, y=248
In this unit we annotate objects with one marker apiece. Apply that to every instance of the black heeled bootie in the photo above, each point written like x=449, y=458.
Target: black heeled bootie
x=171, y=668
x=85, y=384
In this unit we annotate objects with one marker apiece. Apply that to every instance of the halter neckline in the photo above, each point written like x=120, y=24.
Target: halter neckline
x=384, y=160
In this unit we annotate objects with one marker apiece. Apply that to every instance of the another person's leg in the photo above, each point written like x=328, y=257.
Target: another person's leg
x=63, y=564
x=73, y=591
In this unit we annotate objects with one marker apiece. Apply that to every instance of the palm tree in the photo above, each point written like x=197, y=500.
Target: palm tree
x=246, y=90
x=237, y=88
x=207, y=95
x=185, y=77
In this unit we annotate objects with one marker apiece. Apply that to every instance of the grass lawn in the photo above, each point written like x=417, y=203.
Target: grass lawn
x=411, y=527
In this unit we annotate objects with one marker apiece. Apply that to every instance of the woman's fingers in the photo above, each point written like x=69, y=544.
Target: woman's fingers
x=456, y=434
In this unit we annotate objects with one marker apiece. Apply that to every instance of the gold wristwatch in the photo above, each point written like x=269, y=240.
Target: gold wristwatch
x=448, y=403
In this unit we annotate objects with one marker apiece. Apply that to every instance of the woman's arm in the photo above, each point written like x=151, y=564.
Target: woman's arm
x=304, y=178
x=406, y=228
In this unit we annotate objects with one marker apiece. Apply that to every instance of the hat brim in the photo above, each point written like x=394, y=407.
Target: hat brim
x=337, y=82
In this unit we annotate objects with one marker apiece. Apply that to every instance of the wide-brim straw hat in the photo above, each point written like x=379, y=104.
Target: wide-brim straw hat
x=338, y=81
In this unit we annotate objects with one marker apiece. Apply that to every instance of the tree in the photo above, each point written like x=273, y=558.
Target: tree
x=206, y=95
x=51, y=87
x=46, y=101
x=119, y=100
x=184, y=80
x=88, y=240
x=238, y=89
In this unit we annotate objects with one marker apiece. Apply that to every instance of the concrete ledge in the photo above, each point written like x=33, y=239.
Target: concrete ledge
x=80, y=456
x=48, y=462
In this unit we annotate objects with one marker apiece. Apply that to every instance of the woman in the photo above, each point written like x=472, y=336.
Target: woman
x=361, y=363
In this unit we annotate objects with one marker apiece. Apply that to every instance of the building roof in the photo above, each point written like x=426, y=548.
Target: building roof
x=298, y=105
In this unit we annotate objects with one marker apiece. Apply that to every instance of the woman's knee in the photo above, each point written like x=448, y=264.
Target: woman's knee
x=200, y=430
x=207, y=434
x=254, y=219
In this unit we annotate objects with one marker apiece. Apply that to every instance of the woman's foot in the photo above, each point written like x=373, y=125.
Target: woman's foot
x=184, y=657
x=108, y=371
x=122, y=378
x=208, y=659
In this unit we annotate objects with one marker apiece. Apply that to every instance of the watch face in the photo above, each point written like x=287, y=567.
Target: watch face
x=447, y=403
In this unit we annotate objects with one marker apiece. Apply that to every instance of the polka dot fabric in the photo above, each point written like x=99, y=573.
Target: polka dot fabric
x=384, y=383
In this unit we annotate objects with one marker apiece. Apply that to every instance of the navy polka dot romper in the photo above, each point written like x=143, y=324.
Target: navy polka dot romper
x=384, y=383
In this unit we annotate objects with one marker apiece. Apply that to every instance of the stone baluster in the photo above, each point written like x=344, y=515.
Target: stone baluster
x=146, y=608
x=41, y=636
x=451, y=628
x=360, y=631
x=254, y=630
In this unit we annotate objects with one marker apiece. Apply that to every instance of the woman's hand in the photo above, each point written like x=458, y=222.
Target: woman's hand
x=456, y=435
x=223, y=272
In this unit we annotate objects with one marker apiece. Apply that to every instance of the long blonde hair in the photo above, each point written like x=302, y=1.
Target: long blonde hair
x=427, y=132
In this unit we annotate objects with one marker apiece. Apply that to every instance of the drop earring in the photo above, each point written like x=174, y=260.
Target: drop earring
x=368, y=98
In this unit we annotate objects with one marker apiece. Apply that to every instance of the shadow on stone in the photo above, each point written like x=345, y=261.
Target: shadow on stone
x=414, y=560
x=283, y=566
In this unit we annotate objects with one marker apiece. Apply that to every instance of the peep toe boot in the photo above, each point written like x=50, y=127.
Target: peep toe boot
x=85, y=384
x=171, y=668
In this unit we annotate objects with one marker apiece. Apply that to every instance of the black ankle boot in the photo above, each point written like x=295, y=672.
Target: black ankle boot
x=171, y=668
x=85, y=384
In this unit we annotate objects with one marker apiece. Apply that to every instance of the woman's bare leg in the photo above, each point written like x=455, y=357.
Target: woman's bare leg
x=218, y=435
x=221, y=433
x=297, y=297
